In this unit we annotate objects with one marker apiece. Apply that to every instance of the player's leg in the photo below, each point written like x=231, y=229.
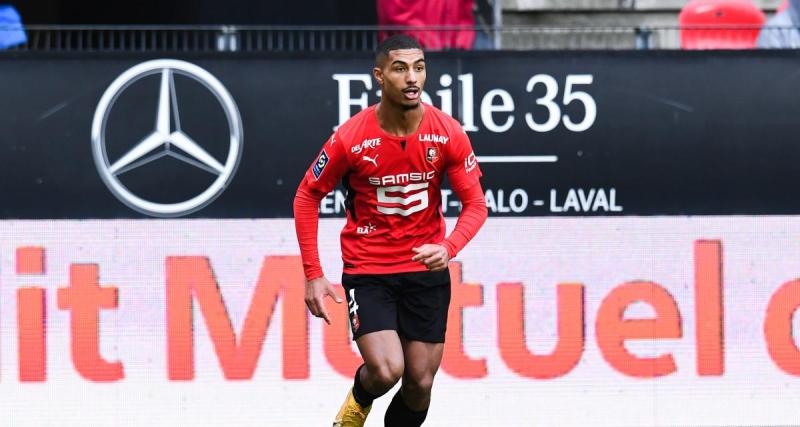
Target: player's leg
x=409, y=407
x=383, y=365
x=372, y=307
x=382, y=368
x=422, y=321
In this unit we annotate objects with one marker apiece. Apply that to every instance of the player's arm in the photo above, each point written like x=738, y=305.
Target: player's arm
x=472, y=216
x=464, y=175
x=328, y=168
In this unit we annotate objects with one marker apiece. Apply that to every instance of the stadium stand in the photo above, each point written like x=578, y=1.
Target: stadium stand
x=603, y=24
x=782, y=31
x=510, y=24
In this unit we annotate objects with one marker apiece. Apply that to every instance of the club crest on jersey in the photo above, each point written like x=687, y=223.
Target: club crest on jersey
x=320, y=164
x=429, y=137
x=432, y=154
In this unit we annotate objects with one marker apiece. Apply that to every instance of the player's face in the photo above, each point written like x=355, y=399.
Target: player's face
x=402, y=76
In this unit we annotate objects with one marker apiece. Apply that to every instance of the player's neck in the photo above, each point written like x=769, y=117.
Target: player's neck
x=398, y=121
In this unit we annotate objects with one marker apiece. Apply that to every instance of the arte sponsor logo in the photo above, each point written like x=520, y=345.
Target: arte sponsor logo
x=366, y=144
x=403, y=178
x=429, y=137
x=193, y=293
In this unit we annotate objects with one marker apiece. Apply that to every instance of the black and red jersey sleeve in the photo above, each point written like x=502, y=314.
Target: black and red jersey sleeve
x=329, y=167
x=462, y=165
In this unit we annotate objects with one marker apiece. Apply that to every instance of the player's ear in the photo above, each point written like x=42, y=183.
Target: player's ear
x=378, y=74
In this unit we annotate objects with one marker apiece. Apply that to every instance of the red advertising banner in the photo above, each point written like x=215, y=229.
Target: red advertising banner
x=554, y=321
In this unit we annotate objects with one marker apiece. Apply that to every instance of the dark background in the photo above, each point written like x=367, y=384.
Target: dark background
x=677, y=133
x=197, y=12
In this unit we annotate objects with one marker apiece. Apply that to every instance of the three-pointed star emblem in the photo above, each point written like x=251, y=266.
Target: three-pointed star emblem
x=167, y=138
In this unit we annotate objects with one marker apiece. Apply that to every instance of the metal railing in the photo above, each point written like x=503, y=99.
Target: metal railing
x=366, y=38
x=230, y=38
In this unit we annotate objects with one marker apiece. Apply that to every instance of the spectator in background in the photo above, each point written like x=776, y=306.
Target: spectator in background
x=431, y=13
x=12, y=32
x=782, y=31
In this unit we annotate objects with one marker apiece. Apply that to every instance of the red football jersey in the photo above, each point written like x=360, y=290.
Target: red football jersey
x=394, y=186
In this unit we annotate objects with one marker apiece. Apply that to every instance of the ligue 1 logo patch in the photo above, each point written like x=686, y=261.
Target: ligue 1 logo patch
x=319, y=166
x=432, y=154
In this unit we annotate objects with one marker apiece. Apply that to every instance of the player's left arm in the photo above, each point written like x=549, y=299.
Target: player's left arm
x=464, y=175
x=470, y=220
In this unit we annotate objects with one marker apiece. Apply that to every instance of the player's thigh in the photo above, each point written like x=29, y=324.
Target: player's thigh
x=423, y=306
x=371, y=303
x=382, y=352
x=422, y=360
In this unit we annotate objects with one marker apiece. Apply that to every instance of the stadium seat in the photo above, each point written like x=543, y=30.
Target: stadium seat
x=720, y=24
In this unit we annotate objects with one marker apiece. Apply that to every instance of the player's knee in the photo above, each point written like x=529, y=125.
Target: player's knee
x=389, y=372
x=418, y=384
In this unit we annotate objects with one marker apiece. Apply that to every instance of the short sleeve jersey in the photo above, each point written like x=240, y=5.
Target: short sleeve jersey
x=393, y=186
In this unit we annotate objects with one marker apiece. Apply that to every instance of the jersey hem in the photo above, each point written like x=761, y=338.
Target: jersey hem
x=395, y=269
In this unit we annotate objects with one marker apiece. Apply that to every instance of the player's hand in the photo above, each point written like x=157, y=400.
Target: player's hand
x=316, y=291
x=435, y=257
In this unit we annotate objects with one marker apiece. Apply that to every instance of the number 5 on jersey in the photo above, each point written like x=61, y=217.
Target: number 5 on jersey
x=418, y=198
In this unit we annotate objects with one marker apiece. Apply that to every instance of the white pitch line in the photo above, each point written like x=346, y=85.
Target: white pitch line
x=517, y=159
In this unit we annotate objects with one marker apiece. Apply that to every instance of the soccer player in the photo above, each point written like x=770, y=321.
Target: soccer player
x=392, y=158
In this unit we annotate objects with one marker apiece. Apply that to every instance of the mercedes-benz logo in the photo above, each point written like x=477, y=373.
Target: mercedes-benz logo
x=166, y=135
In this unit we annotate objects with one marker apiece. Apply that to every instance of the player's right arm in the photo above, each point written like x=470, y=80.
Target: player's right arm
x=328, y=168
